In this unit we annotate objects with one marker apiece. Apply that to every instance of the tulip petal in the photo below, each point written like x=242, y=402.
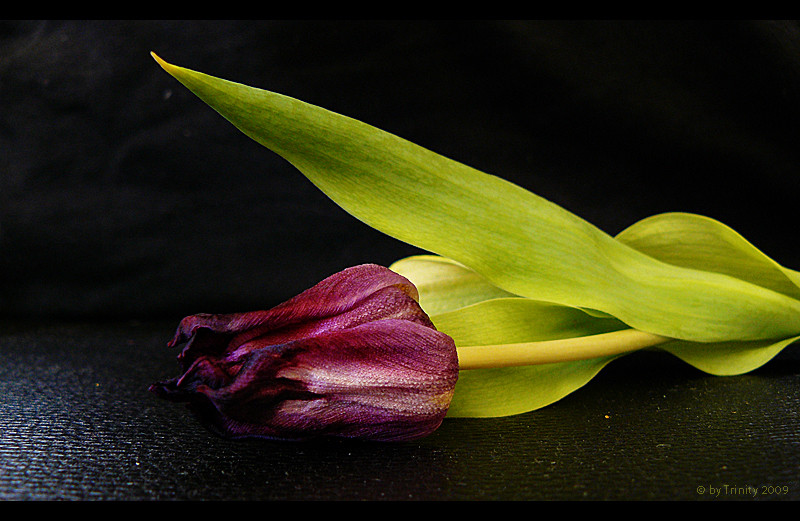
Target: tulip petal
x=384, y=380
x=353, y=356
x=350, y=297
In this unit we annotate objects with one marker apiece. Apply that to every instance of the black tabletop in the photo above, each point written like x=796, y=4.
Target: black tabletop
x=126, y=204
x=79, y=424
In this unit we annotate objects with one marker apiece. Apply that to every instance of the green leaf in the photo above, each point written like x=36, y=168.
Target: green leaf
x=444, y=284
x=505, y=391
x=727, y=358
x=518, y=241
x=473, y=312
x=513, y=390
x=699, y=242
x=678, y=238
x=516, y=320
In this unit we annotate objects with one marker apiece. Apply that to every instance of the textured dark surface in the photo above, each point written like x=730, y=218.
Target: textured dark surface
x=125, y=204
x=78, y=423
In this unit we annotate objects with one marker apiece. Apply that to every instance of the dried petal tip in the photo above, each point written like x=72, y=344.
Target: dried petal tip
x=354, y=357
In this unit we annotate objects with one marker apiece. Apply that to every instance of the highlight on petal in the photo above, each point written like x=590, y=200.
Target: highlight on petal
x=354, y=356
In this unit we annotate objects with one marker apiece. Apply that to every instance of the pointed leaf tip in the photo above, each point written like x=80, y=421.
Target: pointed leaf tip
x=164, y=65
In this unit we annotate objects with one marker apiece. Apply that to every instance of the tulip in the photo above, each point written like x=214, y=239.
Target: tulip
x=354, y=356
x=533, y=284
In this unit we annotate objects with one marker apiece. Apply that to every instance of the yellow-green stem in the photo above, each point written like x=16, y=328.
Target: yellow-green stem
x=553, y=351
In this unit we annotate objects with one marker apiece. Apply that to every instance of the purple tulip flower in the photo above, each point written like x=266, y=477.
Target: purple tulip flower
x=354, y=357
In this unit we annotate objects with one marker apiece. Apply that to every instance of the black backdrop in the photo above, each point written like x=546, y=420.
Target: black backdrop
x=122, y=194
x=124, y=197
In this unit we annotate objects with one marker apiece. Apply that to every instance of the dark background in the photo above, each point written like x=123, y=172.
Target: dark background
x=126, y=203
x=124, y=195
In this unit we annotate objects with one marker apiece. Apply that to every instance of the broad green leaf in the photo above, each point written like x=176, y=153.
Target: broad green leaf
x=727, y=358
x=472, y=311
x=695, y=241
x=513, y=390
x=520, y=242
x=505, y=391
x=445, y=285
x=703, y=243
x=678, y=238
x=515, y=320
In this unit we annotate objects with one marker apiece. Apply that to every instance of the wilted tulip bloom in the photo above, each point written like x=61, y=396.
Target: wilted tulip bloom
x=354, y=356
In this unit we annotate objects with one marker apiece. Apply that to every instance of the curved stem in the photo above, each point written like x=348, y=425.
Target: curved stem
x=553, y=351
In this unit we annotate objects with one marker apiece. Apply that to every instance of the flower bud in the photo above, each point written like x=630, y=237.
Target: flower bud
x=354, y=356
